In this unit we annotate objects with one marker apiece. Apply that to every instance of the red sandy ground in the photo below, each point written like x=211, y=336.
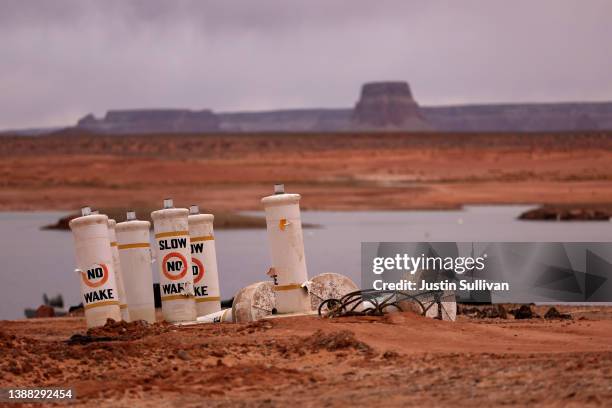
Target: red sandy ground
x=395, y=360
x=332, y=171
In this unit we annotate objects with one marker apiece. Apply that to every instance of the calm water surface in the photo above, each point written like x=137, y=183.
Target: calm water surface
x=35, y=261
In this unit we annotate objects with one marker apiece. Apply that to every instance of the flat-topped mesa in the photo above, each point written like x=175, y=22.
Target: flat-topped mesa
x=388, y=105
x=152, y=121
x=388, y=88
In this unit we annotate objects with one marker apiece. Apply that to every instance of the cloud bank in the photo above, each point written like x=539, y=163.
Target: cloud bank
x=63, y=59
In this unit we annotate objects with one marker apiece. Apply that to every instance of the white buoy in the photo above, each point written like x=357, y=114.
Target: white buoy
x=134, y=246
x=287, y=250
x=254, y=302
x=204, y=262
x=221, y=316
x=258, y=301
x=328, y=286
x=174, y=263
x=94, y=262
x=112, y=237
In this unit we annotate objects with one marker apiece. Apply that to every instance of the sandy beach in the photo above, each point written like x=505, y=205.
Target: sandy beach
x=399, y=358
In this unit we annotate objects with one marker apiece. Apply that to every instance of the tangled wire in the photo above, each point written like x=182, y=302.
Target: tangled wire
x=372, y=302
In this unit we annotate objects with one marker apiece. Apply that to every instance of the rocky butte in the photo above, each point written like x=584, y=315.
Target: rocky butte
x=388, y=105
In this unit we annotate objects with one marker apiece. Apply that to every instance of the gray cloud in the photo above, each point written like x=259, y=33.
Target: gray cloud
x=62, y=59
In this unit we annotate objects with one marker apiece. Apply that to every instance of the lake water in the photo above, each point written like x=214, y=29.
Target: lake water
x=36, y=261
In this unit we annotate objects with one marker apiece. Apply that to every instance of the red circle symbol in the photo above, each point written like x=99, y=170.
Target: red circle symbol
x=92, y=276
x=169, y=266
x=200, y=274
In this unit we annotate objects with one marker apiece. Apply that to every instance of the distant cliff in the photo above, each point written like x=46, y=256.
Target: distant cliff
x=151, y=121
x=532, y=117
x=382, y=106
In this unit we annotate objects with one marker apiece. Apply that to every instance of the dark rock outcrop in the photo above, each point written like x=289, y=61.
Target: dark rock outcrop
x=483, y=312
x=524, y=312
x=564, y=213
x=553, y=313
x=388, y=105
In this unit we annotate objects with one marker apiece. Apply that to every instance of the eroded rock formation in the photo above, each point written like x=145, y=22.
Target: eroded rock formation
x=152, y=121
x=388, y=105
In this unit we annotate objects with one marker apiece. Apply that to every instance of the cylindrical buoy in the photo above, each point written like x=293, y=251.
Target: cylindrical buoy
x=254, y=302
x=221, y=316
x=204, y=262
x=94, y=262
x=329, y=286
x=287, y=250
x=112, y=236
x=135, y=257
x=174, y=262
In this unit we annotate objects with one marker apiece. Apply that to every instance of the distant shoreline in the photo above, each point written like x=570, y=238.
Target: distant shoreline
x=332, y=171
x=223, y=220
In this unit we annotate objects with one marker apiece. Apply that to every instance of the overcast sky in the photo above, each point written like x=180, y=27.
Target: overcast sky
x=61, y=59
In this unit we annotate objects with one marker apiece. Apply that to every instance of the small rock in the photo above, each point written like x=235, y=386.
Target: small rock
x=389, y=354
x=44, y=311
x=523, y=312
x=182, y=354
x=553, y=313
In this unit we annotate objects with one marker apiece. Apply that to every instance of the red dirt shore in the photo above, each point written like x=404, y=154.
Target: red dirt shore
x=396, y=360
x=231, y=172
